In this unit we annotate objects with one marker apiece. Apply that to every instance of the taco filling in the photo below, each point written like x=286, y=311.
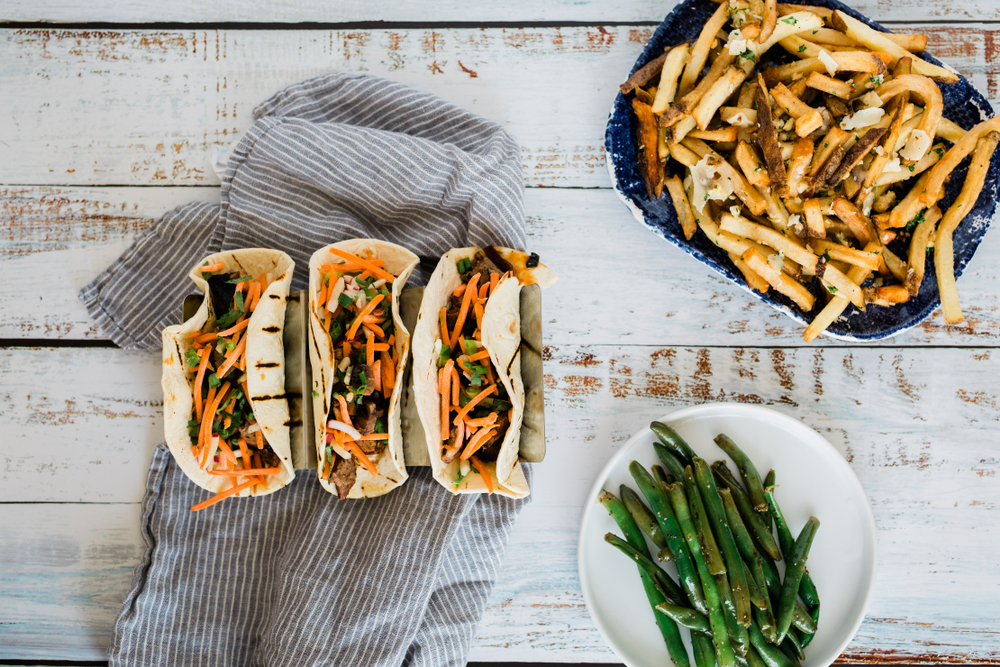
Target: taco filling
x=226, y=439
x=356, y=312
x=475, y=408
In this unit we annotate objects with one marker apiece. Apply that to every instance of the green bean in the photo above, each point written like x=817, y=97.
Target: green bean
x=806, y=640
x=664, y=555
x=682, y=505
x=671, y=531
x=748, y=471
x=771, y=578
x=808, y=589
x=768, y=481
x=668, y=629
x=801, y=618
x=753, y=520
x=754, y=658
x=757, y=597
x=765, y=621
x=643, y=517
x=796, y=644
x=788, y=649
x=704, y=650
x=669, y=461
x=674, y=442
x=741, y=661
x=769, y=653
x=709, y=549
x=794, y=570
x=738, y=636
x=720, y=526
x=661, y=476
x=670, y=590
x=689, y=618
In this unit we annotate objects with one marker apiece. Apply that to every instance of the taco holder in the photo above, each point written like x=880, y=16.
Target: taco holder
x=298, y=379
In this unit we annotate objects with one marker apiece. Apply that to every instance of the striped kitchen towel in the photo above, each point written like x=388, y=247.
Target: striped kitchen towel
x=299, y=577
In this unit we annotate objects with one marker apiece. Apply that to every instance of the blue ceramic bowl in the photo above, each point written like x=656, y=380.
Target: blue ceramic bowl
x=962, y=104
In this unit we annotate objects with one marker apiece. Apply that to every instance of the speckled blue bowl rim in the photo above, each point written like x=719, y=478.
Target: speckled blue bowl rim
x=962, y=103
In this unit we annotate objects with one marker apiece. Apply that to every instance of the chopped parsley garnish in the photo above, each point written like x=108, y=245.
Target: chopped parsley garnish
x=917, y=219
x=239, y=280
x=831, y=289
x=912, y=168
x=790, y=20
x=802, y=48
x=315, y=393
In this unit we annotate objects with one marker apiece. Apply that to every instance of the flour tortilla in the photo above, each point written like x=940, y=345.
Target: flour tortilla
x=265, y=356
x=400, y=262
x=501, y=334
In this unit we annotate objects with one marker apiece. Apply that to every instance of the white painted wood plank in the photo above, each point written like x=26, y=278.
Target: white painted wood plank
x=681, y=302
x=918, y=427
x=317, y=11
x=145, y=107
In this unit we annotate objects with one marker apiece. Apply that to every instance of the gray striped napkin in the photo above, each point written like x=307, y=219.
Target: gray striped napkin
x=299, y=577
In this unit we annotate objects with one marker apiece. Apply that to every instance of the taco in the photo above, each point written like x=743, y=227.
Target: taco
x=358, y=352
x=467, y=367
x=224, y=408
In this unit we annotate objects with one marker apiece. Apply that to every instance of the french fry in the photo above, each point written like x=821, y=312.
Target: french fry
x=747, y=93
x=912, y=43
x=650, y=166
x=725, y=134
x=792, y=24
x=860, y=226
x=643, y=75
x=829, y=36
x=877, y=41
x=741, y=187
x=889, y=295
x=699, y=53
x=780, y=281
x=684, y=155
x=881, y=160
x=767, y=138
x=936, y=176
x=905, y=173
x=863, y=258
x=792, y=71
x=829, y=85
x=836, y=306
x=808, y=119
x=919, y=243
x=676, y=132
x=944, y=254
x=719, y=92
x=798, y=167
x=753, y=279
x=794, y=251
x=854, y=156
x=833, y=140
x=815, y=226
x=927, y=90
x=738, y=115
x=686, y=104
x=682, y=206
x=752, y=165
x=673, y=65
x=788, y=8
x=769, y=20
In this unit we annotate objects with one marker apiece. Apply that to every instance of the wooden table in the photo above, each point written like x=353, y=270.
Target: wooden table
x=109, y=121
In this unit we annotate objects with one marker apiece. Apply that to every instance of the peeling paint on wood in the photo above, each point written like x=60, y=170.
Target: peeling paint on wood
x=926, y=456
x=139, y=107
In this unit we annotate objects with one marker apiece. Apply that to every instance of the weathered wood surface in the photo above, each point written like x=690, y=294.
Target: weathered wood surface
x=81, y=230
x=922, y=441
x=520, y=11
x=145, y=107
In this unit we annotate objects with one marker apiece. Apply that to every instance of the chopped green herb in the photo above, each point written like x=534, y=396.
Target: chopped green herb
x=344, y=300
x=470, y=346
x=315, y=394
x=192, y=357
x=826, y=255
x=917, y=219
x=912, y=168
x=444, y=355
x=239, y=301
x=802, y=48
x=831, y=289
x=213, y=380
x=239, y=280
x=789, y=20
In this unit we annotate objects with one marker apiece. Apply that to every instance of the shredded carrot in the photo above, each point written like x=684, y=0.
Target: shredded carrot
x=444, y=380
x=232, y=357
x=388, y=373
x=478, y=309
x=204, y=338
x=225, y=424
x=351, y=267
x=322, y=296
x=456, y=387
x=327, y=320
x=353, y=448
x=369, y=350
x=364, y=263
x=466, y=301
x=460, y=290
x=481, y=467
x=239, y=326
x=377, y=372
x=494, y=279
x=365, y=275
x=221, y=496
x=483, y=291
x=208, y=417
x=345, y=416
x=477, y=441
x=227, y=453
x=482, y=421
x=347, y=348
x=245, y=453
x=253, y=295
x=375, y=436
x=373, y=319
x=263, y=283
x=247, y=472
x=471, y=404
x=443, y=321
x=211, y=267
x=198, y=380
x=482, y=354
x=369, y=307
x=260, y=438
x=240, y=286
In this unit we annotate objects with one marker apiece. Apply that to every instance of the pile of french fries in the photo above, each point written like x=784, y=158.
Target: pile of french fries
x=808, y=170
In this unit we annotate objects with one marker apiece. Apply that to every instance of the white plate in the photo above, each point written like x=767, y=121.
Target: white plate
x=813, y=479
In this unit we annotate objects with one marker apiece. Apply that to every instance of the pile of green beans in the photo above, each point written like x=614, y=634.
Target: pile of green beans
x=719, y=531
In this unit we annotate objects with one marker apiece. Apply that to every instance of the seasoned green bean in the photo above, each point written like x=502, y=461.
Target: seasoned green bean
x=674, y=442
x=794, y=569
x=643, y=517
x=704, y=650
x=689, y=618
x=724, y=536
x=709, y=549
x=807, y=589
x=661, y=476
x=682, y=505
x=671, y=531
x=757, y=597
x=754, y=520
x=769, y=653
x=666, y=584
x=748, y=471
x=669, y=461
